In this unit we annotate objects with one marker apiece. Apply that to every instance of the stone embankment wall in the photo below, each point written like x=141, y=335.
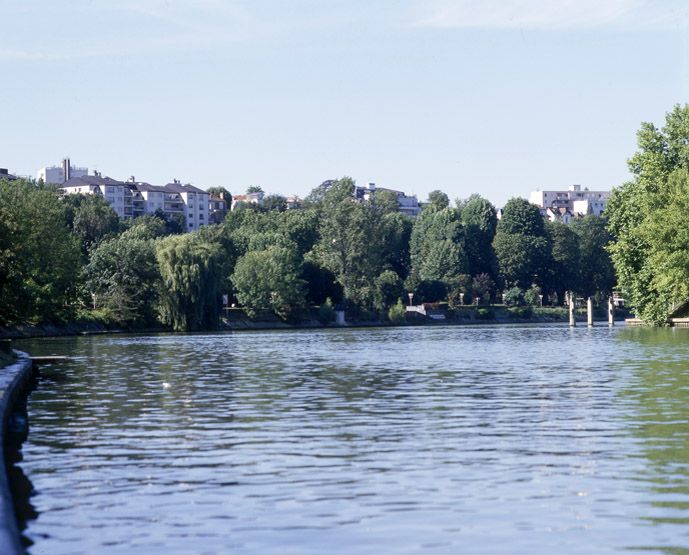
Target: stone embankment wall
x=14, y=384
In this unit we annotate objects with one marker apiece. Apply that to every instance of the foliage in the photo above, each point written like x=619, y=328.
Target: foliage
x=437, y=200
x=122, y=277
x=254, y=189
x=268, y=280
x=192, y=273
x=276, y=203
x=565, y=268
x=460, y=292
x=326, y=312
x=596, y=270
x=514, y=297
x=437, y=246
x=397, y=312
x=521, y=245
x=39, y=257
x=388, y=289
x=483, y=287
x=479, y=219
x=643, y=215
x=532, y=296
x=92, y=218
x=351, y=242
x=429, y=291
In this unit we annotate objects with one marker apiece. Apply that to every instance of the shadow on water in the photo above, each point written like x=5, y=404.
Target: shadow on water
x=21, y=488
x=658, y=397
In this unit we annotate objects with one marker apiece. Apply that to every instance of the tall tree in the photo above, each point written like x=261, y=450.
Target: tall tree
x=122, y=277
x=565, y=255
x=521, y=246
x=596, y=271
x=437, y=246
x=350, y=241
x=39, y=257
x=269, y=280
x=480, y=222
x=438, y=200
x=192, y=271
x=660, y=153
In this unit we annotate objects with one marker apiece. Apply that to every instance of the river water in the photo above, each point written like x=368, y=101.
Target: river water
x=513, y=439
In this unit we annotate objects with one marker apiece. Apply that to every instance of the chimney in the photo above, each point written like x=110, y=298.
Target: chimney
x=132, y=179
x=66, y=169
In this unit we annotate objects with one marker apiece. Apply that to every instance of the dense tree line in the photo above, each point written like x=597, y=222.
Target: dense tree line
x=65, y=257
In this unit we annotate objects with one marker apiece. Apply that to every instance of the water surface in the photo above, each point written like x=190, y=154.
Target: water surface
x=520, y=439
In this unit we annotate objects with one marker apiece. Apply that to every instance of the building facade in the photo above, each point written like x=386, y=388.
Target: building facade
x=132, y=198
x=578, y=201
x=57, y=175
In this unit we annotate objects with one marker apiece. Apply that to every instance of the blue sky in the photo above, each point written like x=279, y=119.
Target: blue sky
x=490, y=97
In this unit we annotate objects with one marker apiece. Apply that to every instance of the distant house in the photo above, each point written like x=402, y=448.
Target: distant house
x=408, y=204
x=217, y=208
x=558, y=215
x=249, y=198
x=293, y=202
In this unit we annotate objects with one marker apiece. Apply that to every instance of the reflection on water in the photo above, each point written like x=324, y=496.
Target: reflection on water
x=519, y=439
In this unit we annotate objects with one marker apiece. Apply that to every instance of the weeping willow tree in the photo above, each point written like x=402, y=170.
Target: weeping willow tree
x=192, y=273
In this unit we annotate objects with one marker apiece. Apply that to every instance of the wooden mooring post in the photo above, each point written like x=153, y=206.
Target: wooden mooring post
x=611, y=312
x=589, y=311
x=572, y=314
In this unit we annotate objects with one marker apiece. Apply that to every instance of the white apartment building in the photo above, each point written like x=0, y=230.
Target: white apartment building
x=58, y=175
x=578, y=201
x=132, y=198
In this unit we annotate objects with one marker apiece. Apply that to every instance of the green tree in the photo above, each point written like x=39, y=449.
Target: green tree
x=122, y=277
x=521, y=246
x=350, y=242
x=437, y=246
x=388, y=288
x=596, y=271
x=269, y=280
x=39, y=257
x=254, y=189
x=93, y=218
x=660, y=153
x=479, y=219
x=437, y=200
x=192, y=273
x=566, y=264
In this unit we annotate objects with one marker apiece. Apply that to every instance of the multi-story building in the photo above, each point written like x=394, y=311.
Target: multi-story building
x=58, y=175
x=5, y=174
x=408, y=204
x=577, y=201
x=133, y=198
x=217, y=208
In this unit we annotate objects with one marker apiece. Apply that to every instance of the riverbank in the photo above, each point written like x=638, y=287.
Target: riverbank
x=15, y=377
x=237, y=320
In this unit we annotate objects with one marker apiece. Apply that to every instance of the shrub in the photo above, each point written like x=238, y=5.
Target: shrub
x=485, y=314
x=326, y=312
x=514, y=297
x=397, y=312
x=532, y=296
